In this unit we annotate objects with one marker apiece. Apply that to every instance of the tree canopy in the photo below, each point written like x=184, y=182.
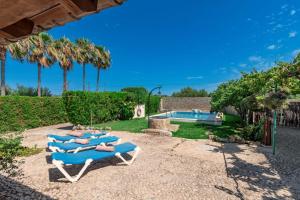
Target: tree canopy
x=190, y=92
x=259, y=90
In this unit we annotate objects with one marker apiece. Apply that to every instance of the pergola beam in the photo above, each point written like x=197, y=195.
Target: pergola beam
x=21, y=18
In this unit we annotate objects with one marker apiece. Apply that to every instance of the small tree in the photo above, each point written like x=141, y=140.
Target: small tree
x=139, y=93
x=190, y=92
x=9, y=149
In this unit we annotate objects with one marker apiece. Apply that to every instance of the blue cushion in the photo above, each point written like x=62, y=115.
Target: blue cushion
x=82, y=156
x=92, y=142
x=70, y=137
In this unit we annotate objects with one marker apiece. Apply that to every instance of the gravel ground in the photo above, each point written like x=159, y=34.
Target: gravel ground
x=167, y=168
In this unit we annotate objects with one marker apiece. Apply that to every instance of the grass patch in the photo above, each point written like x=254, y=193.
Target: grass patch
x=190, y=131
x=27, y=151
x=134, y=125
x=186, y=130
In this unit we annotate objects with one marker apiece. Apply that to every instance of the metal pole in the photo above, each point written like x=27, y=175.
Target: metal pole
x=274, y=126
x=148, y=109
x=148, y=104
x=274, y=132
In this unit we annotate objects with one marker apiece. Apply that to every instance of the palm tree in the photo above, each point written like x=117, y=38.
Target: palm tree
x=84, y=54
x=102, y=60
x=63, y=52
x=3, y=60
x=35, y=50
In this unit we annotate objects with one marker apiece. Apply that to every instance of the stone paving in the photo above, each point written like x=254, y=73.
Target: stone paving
x=167, y=168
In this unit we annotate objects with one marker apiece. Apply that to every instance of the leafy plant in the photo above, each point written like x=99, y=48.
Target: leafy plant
x=154, y=105
x=140, y=96
x=9, y=150
x=253, y=131
x=84, y=107
x=190, y=92
x=20, y=112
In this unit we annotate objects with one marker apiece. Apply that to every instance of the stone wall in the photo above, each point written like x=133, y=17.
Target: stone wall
x=230, y=110
x=185, y=103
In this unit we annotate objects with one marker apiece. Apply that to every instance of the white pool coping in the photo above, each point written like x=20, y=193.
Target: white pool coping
x=217, y=121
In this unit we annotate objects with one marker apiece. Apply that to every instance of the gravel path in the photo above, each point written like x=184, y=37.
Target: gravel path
x=167, y=168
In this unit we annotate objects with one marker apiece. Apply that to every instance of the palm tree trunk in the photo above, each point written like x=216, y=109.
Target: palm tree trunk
x=39, y=79
x=98, y=79
x=65, y=80
x=83, y=76
x=3, y=59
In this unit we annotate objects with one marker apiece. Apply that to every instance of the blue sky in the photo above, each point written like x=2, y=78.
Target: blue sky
x=177, y=43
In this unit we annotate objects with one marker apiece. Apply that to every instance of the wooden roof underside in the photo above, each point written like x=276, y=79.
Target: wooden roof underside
x=20, y=18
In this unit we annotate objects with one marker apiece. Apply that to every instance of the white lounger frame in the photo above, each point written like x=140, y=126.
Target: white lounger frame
x=57, y=149
x=51, y=139
x=60, y=165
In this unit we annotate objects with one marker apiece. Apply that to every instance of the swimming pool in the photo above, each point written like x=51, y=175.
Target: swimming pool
x=201, y=117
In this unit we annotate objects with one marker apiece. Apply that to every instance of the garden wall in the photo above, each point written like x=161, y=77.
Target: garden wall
x=20, y=112
x=185, y=103
x=230, y=110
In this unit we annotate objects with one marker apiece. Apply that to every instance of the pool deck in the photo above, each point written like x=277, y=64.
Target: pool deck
x=167, y=168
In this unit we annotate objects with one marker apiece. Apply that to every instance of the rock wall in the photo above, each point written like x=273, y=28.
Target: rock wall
x=185, y=103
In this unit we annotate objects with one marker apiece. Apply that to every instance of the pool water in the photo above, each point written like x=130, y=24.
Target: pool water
x=203, y=116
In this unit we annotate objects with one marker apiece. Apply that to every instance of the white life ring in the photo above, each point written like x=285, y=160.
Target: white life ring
x=139, y=112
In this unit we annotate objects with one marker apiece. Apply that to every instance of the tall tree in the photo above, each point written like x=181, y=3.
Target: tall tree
x=3, y=60
x=84, y=54
x=63, y=52
x=35, y=50
x=102, y=60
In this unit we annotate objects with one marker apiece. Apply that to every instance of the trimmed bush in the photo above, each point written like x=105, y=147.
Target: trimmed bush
x=140, y=96
x=20, y=112
x=98, y=107
x=154, y=104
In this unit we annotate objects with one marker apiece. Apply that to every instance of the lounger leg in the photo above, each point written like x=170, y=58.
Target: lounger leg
x=59, y=165
x=78, y=149
x=129, y=162
x=55, y=149
x=50, y=139
x=119, y=141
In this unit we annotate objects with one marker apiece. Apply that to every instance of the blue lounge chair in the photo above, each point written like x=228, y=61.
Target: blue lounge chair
x=88, y=156
x=75, y=147
x=71, y=138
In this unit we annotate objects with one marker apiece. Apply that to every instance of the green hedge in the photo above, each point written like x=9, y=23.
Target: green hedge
x=154, y=104
x=81, y=106
x=20, y=112
x=140, y=96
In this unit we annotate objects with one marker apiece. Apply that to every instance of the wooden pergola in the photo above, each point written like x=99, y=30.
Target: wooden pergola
x=20, y=18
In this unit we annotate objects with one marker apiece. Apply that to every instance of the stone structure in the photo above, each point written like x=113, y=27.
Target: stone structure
x=185, y=103
x=161, y=126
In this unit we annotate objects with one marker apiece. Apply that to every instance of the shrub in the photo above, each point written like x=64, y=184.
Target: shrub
x=9, y=150
x=154, y=104
x=98, y=107
x=139, y=94
x=253, y=132
x=190, y=92
x=19, y=112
